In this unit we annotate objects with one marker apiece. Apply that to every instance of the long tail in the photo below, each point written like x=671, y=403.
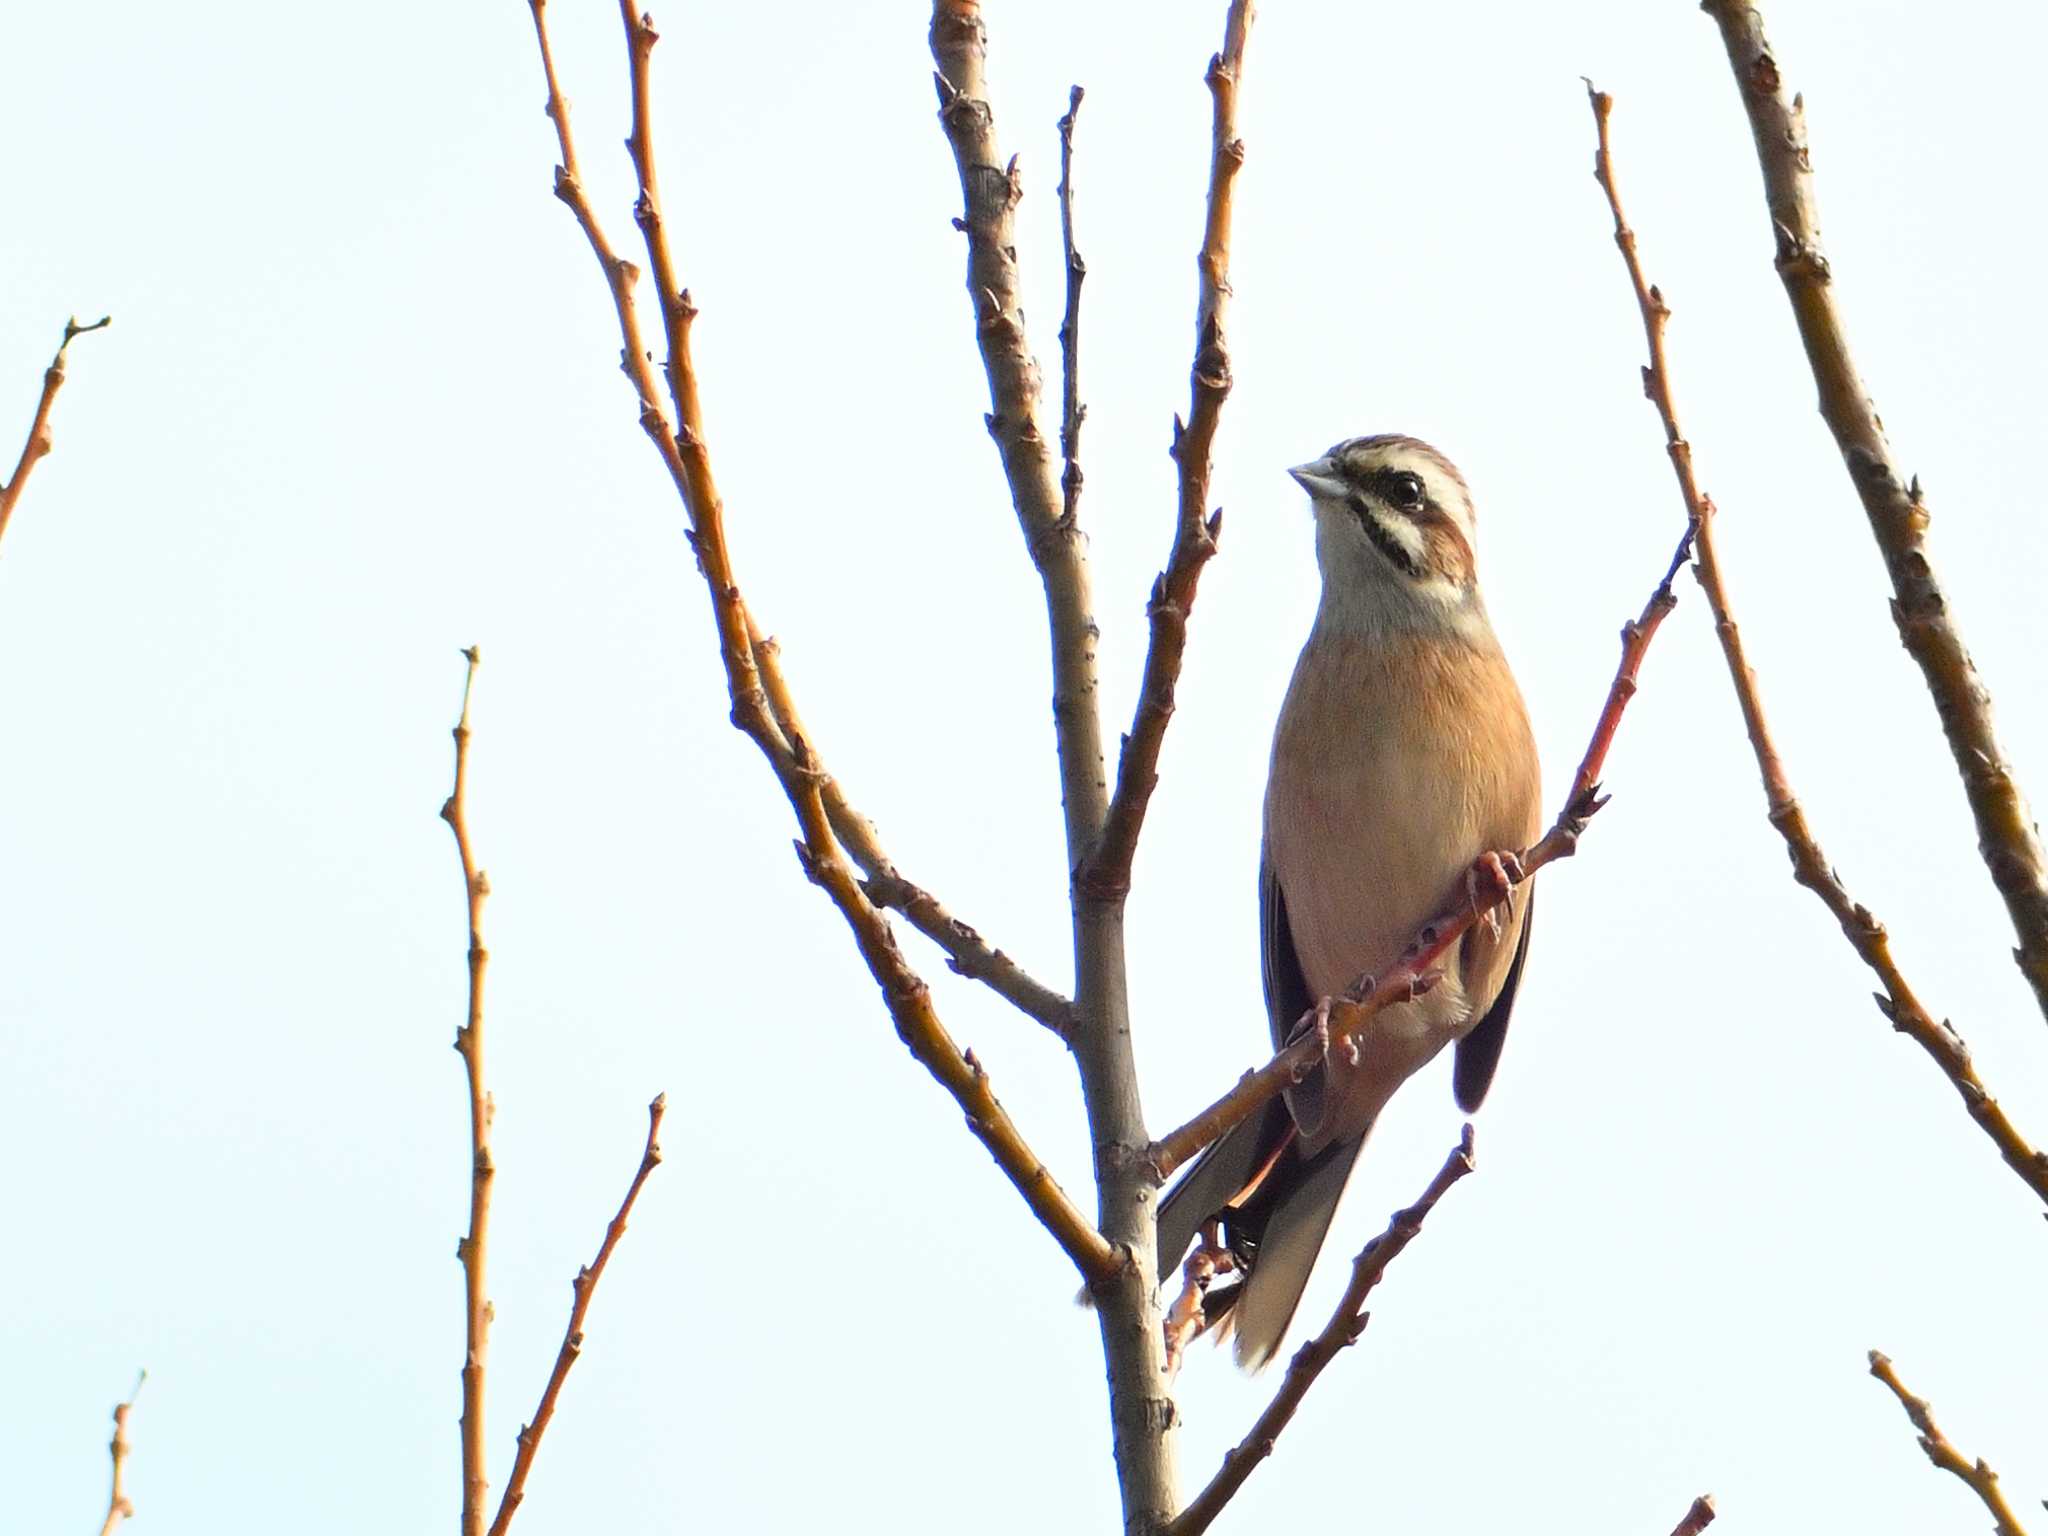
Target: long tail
x=1304, y=1198
x=1215, y=1180
x=1276, y=1227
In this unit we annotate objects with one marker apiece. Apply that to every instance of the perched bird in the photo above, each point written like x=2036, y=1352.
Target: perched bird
x=1402, y=755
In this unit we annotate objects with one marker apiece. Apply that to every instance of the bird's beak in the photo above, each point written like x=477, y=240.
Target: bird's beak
x=1320, y=479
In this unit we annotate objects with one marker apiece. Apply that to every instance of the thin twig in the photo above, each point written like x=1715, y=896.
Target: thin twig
x=990, y=190
x=1810, y=867
x=585, y=1286
x=1342, y=1331
x=1335, y=1021
x=967, y=953
x=1196, y=528
x=119, y=1506
x=39, y=441
x=1697, y=1519
x=473, y=1249
x=2006, y=835
x=1185, y=1320
x=1982, y=1480
x=796, y=765
x=1072, y=411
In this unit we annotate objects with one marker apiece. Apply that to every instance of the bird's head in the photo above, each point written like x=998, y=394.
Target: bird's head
x=1395, y=532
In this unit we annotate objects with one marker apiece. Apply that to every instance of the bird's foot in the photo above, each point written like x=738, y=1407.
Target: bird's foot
x=1487, y=884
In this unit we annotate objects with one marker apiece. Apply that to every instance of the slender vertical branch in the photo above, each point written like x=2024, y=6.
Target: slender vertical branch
x=1697, y=1518
x=1810, y=867
x=797, y=766
x=1978, y=1475
x=990, y=189
x=1072, y=411
x=39, y=441
x=119, y=1506
x=2006, y=835
x=1142, y=1415
x=1195, y=529
x=1344, y=1328
x=585, y=1287
x=473, y=1249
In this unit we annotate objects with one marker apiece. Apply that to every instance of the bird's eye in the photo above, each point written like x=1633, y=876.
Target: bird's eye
x=1405, y=490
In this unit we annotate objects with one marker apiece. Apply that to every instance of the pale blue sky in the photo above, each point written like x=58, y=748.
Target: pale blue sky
x=360, y=407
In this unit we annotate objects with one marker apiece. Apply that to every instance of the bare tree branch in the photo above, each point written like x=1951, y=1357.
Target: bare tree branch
x=473, y=1249
x=966, y=951
x=2006, y=835
x=1072, y=411
x=990, y=190
x=1195, y=528
x=39, y=441
x=1697, y=1519
x=585, y=1286
x=119, y=1506
x=1342, y=1331
x=681, y=445
x=1866, y=935
x=1335, y=1021
x=1981, y=1479
x=1142, y=1414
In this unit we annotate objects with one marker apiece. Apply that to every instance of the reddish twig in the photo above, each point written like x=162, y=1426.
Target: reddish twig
x=1810, y=867
x=680, y=442
x=1185, y=1321
x=1697, y=1519
x=39, y=441
x=119, y=1506
x=1898, y=517
x=1342, y=1331
x=472, y=1250
x=1977, y=1474
x=1108, y=871
x=572, y=1339
x=1336, y=1021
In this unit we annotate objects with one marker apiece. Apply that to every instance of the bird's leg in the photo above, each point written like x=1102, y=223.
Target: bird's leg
x=1488, y=882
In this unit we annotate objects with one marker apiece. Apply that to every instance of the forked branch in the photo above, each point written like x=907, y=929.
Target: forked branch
x=679, y=439
x=990, y=189
x=1195, y=528
x=1981, y=1480
x=967, y=953
x=1866, y=935
x=1342, y=1331
x=1337, y=1020
x=2006, y=835
x=473, y=1248
x=585, y=1286
x=39, y=441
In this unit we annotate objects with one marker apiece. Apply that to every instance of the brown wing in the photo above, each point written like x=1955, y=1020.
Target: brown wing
x=1287, y=993
x=1479, y=1051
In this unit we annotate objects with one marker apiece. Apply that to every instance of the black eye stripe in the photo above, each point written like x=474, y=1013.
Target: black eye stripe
x=1396, y=553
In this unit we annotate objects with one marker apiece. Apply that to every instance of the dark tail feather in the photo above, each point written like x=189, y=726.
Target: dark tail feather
x=1215, y=1179
x=1292, y=1235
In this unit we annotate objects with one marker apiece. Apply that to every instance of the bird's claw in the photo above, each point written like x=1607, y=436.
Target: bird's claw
x=1488, y=882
